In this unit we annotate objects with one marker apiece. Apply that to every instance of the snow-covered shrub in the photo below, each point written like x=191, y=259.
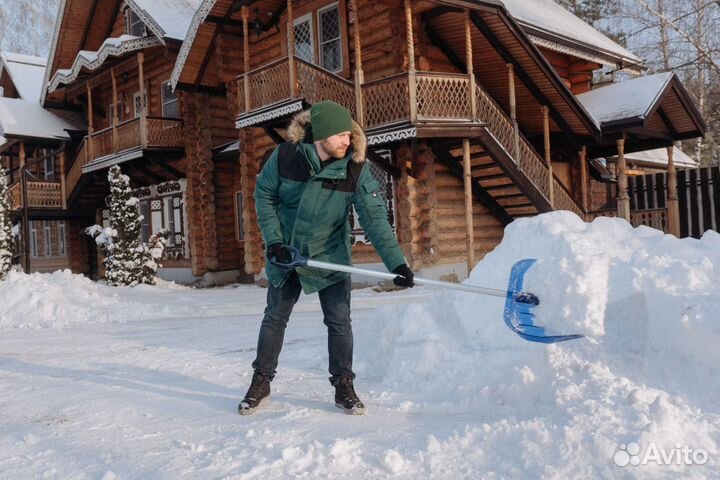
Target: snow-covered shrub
x=128, y=261
x=7, y=240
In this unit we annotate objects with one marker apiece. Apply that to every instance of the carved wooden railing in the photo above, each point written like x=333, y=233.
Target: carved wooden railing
x=102, y=142
x=443, y=96
x=655, y=218
x=529, y=162
x=164, y=132
x=39, y=195
x=385, y=101
x=270, y=84
x=128, y=135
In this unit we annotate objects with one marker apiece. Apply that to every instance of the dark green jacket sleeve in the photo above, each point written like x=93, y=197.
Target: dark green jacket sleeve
x=373, y=216
x=267, y=199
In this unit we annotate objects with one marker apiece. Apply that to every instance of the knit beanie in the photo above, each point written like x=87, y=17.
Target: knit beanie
x=328, y=118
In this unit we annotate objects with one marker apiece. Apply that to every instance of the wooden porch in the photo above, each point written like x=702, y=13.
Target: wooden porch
x=40, y=194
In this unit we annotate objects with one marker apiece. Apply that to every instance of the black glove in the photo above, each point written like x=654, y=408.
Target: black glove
x=405, y=276
x=278, y=253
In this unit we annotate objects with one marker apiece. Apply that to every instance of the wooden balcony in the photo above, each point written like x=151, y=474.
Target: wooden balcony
x=40, y=194
x=439, y=97
x=136, y=134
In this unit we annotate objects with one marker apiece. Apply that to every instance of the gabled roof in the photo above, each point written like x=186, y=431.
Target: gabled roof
x=92, y=60
x=28, y=120
x=168, y=19
x=551, y=26
x=26, y=73
x=658, y=156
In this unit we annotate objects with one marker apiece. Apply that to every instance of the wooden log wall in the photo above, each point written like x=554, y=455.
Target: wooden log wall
x=382, y=39
x=227, y=183
x=79, y=246
x=200, y=193
x=252, y=140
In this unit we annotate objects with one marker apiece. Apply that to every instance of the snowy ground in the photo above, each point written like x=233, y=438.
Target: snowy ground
x=106, y=383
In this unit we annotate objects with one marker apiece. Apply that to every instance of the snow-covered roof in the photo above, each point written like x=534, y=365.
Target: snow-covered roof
x=28, y=119
x=166, y=18
x=625, y=100
x=658, y=156
x=92, y=60
x=26, y=73
x=549, y=20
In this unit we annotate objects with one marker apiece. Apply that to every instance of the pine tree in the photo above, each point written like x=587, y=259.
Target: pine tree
x=128, y=262
x=7, y=241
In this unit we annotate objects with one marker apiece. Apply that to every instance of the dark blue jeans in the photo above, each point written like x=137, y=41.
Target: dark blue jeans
x=335, y=303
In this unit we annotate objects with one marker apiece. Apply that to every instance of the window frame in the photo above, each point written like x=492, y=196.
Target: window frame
x=129, y=23
x=176, y=101
x=339, y=38
x=308, y=17
x=47, y=238
x=62, y=243
x=34, y=246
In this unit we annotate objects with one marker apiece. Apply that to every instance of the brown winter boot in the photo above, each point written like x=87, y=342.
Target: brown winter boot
x=346, y=398
x=257, y=395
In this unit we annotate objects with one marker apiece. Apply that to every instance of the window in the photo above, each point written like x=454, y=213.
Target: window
x=47, y=240
x=134, y=25
x=387, y=187
x=145, y=220
x=49, y=166
x=61, y=239
x=330, y=43
x=33, y=239
x=137, y=105
x=304, y=38
x=170, y=104
x=239, y=216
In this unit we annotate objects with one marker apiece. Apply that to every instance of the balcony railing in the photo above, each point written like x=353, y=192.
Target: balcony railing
x=159, y=132
x=40, y=194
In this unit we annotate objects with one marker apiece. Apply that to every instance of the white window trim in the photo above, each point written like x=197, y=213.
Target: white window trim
x=62, y=248
x=47, y=237
x=136, y=95
x=129, y=14
x=340, y=36
x=176, y=100
x=308, y=17
x=33, y=239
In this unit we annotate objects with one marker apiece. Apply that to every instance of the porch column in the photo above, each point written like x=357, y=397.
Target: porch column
x=90, y=122
x=26, y=220
x=672, y=203
x=623, y=200
x=469, y=63
x=359, y=74
x=469, y=230
x=412, y=74
x=583, y=178
x=548, y=156
x=291, y=48
x=143, y=112
x=513, y=109
x=246, y=57
x=114, y=109
x=63, y=188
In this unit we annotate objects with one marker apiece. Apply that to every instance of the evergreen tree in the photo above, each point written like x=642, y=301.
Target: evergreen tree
x=7, y=241
x=128, y=262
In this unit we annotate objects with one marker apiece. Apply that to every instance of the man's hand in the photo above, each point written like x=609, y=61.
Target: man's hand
x=405, y=276
x=279, y=253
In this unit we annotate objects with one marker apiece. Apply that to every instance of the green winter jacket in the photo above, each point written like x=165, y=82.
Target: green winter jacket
x=301, y=204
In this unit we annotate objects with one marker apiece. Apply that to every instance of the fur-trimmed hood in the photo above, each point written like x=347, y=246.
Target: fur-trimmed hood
x=299, y=131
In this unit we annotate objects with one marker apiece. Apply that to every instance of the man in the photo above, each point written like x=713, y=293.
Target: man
x=303, y=198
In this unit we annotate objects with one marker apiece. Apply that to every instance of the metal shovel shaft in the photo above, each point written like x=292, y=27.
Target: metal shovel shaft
x=419, y=281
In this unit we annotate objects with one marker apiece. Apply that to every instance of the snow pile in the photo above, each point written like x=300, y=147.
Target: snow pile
x=645, y=373
x=60, y=299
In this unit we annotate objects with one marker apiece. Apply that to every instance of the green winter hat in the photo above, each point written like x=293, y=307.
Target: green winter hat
x=328, y=118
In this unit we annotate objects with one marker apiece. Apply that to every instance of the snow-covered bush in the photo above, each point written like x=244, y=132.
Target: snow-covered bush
x=7, y=241
x=128, y=261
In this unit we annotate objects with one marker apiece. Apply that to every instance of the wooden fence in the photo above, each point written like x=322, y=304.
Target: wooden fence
x=698, y=198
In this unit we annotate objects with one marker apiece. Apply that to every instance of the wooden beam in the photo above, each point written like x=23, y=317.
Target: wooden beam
x=449, y=53
x=583, y=177
x=291, y=47
x=666, y=120
x=90, y=121
x=224, y=20
x=114, y=110
x=149, y=173
x=177, y=174
x=469, y=62
x=548, y=153
x=63, y=188
x=246, y=59
x=513, y=110
x=672, y=196
x=439, y=11
x=623, y=200
x=272, y=133
x=412, y=74
x=143, y=107
x=359, y=73
x=469, y=230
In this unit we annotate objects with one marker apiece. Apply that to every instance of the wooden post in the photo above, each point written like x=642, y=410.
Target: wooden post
x=548, y=155
x=412, y=74
x=291, y=48
x=246, y=57
x=359, y=74
x=469, y=230
x=623, y=200
x=469, y=63
x=90, y=122
x=143, y=113
x=584, y=178
x=513, y=111
x=114, y=109
x=24, y=196
x=63, y=187
x=672, y=203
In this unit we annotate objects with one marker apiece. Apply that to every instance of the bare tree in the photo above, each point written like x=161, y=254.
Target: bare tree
x=26, y=26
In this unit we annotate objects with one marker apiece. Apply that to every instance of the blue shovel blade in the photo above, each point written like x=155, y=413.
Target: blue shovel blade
x=519, y=307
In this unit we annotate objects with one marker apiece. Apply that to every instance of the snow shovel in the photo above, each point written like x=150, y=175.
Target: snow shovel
x=518, y=304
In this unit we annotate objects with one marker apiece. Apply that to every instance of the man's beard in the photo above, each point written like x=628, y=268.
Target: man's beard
x=339, y=152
